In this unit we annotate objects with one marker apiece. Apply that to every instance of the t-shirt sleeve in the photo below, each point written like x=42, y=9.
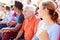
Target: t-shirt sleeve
x=21, y=19
x=23, y=25
x=55, y=34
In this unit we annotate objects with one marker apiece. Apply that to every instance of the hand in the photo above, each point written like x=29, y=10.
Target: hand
x=10, y=24
x=0, y=22
x=15, y=39
x=5, y=30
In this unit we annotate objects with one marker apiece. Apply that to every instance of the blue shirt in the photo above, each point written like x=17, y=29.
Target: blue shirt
x=20, y=19
x=17, y=18
x=53, y=31
x=9, y=17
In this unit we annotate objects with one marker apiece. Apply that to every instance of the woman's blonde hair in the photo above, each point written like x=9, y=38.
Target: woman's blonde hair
x=51, y=7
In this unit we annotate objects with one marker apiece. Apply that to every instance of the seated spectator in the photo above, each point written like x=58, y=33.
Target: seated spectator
x=9, y=18
x=7, y=33
x=48, y=29
x=12, y=7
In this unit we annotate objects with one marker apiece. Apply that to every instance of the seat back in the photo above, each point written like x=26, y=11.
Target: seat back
x=59, y=37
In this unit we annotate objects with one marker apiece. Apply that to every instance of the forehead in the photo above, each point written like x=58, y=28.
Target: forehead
x=40, y=5
x=26, y=9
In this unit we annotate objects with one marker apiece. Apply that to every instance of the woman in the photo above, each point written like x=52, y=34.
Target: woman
x=48, y=29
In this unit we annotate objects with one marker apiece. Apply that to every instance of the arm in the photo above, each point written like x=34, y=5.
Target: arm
x=19, y=35
x=12, y=29
x=11, y=23
x=3, y=22
x=44, y=36
x=18, y=26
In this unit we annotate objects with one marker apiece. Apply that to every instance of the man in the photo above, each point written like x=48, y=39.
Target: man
x=29, y=25
x=11, y=32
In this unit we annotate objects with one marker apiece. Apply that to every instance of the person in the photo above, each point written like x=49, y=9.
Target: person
x=9, y=18
x=12, y=7
x=48, y=29
x=2, y=13
x=30, y=23
x=7, y=33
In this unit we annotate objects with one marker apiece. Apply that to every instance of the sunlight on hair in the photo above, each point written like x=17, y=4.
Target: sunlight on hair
x=47, y=1
x=30, y=7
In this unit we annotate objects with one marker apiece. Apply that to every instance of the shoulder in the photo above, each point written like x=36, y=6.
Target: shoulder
x=53, y=27
x=53, y=30
x=21, y=16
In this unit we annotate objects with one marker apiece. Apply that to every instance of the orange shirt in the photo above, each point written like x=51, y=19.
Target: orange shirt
x=29, y=27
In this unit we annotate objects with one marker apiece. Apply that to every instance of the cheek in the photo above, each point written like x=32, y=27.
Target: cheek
x=40, y=14
x=25, y=15
x=15, y=9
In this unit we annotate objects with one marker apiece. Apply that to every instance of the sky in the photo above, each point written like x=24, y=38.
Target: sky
x=5, y=1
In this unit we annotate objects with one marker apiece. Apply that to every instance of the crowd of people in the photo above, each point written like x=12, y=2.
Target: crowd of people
x=29, y=22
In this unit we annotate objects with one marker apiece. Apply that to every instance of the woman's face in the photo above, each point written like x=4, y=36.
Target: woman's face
x=40, y=11
x=15, y=9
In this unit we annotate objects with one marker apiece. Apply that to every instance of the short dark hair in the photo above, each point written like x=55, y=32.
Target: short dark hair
x=7, y=8
x=19, y=5
x=11, y=6
x=2, y=6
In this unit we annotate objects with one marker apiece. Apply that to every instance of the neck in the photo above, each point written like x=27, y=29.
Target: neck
x=30, y=18
x=7, y=12
x=48, y=21
x=19, y=12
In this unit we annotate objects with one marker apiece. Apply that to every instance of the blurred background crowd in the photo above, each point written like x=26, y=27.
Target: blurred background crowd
x=29, y=19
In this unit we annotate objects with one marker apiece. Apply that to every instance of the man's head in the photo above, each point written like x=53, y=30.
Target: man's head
x=7, y=9
x=29, y=11
x=12, y=7
x=3, y=8
x=18, y=6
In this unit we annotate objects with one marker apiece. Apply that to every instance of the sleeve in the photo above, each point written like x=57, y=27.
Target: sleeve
x=35, y=38
x=22, y=28
x=55, y=35
x=21, y=19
